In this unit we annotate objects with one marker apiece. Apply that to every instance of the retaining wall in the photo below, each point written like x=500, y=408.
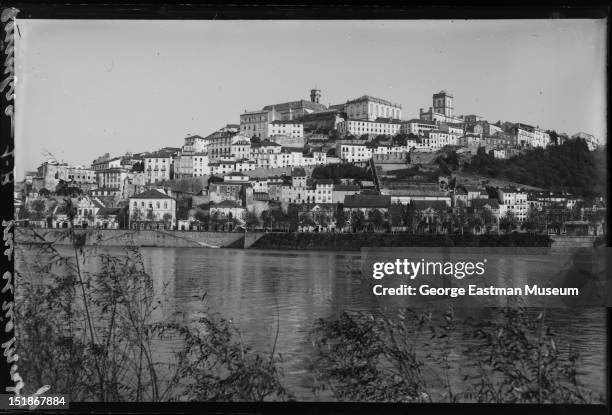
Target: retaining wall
x=155, y=238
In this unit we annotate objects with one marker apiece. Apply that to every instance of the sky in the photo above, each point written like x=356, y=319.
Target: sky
x=87, y=87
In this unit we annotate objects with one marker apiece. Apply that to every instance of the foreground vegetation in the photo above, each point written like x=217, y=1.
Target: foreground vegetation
x=94, y=336
x=510, y=358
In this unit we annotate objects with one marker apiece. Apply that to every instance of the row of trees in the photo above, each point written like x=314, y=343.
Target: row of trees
x=401, y=217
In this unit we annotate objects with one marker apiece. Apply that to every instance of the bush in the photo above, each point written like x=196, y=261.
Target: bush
x=92, y=336
x=512, y=358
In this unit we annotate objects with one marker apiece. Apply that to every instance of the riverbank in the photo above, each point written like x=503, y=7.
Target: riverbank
x=355, y=241
x=140, y=238
x=292, y=241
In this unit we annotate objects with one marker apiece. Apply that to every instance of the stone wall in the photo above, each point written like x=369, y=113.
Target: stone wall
x=154, y=238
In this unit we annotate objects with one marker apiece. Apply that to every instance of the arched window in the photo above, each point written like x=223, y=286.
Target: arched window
x=158, y=205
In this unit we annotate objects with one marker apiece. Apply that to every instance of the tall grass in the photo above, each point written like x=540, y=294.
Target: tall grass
x=93, y=335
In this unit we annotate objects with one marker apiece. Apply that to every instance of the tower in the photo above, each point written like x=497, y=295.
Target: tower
x=315, y=95
x=443, y=103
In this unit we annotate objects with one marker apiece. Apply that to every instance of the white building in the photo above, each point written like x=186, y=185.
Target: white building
x=157, y=166
x=452, y=129
x=437, y=139
x=285, y=128
x=417, y=127
x=378, y=127
x=590, y=139
x=241, y=147
x=540, y=138
x=81, y=175
x=513, y=200
x=353, y=152
x=255, y=123
x=370, y=108
x=153, y=206
x=323, y=191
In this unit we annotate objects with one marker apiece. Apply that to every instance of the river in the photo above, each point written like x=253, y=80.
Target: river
x=253, y=287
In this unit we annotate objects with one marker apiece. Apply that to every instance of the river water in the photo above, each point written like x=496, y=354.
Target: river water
x=253, y=287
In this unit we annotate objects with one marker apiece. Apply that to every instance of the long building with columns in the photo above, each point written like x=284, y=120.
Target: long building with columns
x=370, y=108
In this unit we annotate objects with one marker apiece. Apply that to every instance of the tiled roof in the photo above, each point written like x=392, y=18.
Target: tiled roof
x=373, y=99
x=285, y=122
x=269, y=144
x=416, y=120
x=298, y=172
x=324, y=181
x=295, y=105
x=480, y=203
x=109, y=211
x=388, y=120
x=151, y=194
x=426, y=204
x=345, y=188
x=367, y=201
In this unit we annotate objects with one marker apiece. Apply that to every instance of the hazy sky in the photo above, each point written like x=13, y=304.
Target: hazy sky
x=89, y=87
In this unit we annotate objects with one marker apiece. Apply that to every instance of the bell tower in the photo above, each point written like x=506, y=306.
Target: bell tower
x=443, y=103
x=315, y=95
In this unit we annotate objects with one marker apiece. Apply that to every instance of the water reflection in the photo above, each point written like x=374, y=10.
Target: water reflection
x=260, y=289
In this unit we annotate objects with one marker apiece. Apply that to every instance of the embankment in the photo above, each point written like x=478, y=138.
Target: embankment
x=292, y=241
x=153, y=238
x=355, y=241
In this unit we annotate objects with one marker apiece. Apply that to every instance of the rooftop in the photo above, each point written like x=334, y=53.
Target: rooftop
x=298, y=172
x=345, y=188
x=151, y=194
x=373, y=99
x=480, y=203
x=427, y=204
x=367, y=201
x=293, y=105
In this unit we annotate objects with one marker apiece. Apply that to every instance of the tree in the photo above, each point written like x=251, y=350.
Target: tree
x=293, y=217
x=24, y=213
x=475, y=223
x=201, y=215
x=167, y=220
x=136, y=215
x=138, y=167
x=251, y=220
x=306, y=221
x=340, y=217
x=150, y=215
x=508, y=222
x=357, y=220
x=122, y=217
x=266, y=218
x=487, y=218
x=44, y=192
x=460, y=216
x=377, y=219
x=278, y=217
x=38, y=209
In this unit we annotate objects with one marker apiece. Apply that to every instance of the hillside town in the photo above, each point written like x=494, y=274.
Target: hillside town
x=301, y=166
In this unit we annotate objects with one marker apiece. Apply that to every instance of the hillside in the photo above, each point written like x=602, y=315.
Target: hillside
x=570, y=167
